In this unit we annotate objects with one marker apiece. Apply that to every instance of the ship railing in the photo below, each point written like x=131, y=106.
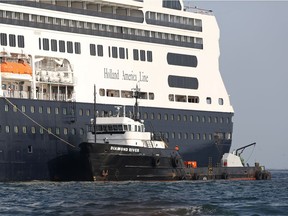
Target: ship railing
x=15, y=94
x=39, y=95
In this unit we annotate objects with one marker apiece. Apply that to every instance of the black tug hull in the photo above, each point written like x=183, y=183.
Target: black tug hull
x=123, y=163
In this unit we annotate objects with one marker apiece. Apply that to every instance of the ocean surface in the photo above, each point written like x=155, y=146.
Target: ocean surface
x=147, y=198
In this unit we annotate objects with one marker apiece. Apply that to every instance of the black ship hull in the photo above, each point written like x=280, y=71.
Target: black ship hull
x=122, y=163
x=41, y=131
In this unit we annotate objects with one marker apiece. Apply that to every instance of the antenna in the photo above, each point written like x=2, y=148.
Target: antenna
x=136, y=95
x=95, y=113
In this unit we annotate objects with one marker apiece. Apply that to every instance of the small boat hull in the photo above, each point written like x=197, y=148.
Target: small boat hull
x=121, y=163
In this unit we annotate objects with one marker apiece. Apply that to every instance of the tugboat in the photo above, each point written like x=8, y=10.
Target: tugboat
x=118, y=148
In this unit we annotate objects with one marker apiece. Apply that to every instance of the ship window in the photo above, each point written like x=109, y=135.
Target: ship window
x=73, y=131
x=145, y=115
x=65, y=131
x=33, y=130
x=102, y=92
x=92, y=49
x=49, y=130
x=203, y=119
x=64, y=111
x=62, y=46
x=81, y=131
x=88, y=112
x=16, y=130
x=41, y=131
x=48, y=110
x=39, y=43
x=126, y=94
x=7, y=129
x=192, y=136
x=185, y=135
x=32, y=109
x=228, y=120
x=24, y=129
x=77, y=48
x=40, y=109
x=149, y=56
x=142, y=55
x=159, y=116
x=184, y=118
x=208, y=100
x=204, y=136
x=209, y=119
x=57, y=131
x=216, y=120
x=3, y=39
x=221, y=120
x=121, y=53
x=210, y=136
x=99, y=50
x=152, y=116
x=193, y=99
x=129, y=127
x=125, y=127
x=114, y=52
x=23, y=108
x=179, y=135
x=197, y=118
x=56, y=110
x=172, y=117
x=191, y=118
x=198, y=136
x=166, y=116
x=14, y=108
x=179, y=117
x=220, y=101
x=21, y=43
x=135, y=54
x=30, y=149
x=180, y=98
x=12, y=40
x=173, y=135
x=6, y=107
x=113, y=93
x=171, y=97
x=80, y=112
x=54, y=45
x=69, y=46
x=45, y=44
x=151, y=96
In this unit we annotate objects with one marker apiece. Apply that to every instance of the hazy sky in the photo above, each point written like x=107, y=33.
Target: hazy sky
x=254, y=67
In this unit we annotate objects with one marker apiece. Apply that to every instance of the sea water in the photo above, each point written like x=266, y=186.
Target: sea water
x=147, y=198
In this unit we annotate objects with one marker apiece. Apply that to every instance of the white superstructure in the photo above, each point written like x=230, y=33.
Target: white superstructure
x=115, y=76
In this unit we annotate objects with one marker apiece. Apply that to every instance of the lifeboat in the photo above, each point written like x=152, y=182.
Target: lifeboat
x=16, y=68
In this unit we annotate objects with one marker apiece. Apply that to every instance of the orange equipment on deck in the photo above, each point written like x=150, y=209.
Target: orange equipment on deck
x=192, y=164
x=16, y=67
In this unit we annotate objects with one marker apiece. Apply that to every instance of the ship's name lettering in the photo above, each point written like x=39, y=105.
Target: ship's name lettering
x=127, y=76
x=124, y=149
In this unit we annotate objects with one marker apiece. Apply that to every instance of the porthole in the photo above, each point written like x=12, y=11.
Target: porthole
x=33, y=130
x=80, y=112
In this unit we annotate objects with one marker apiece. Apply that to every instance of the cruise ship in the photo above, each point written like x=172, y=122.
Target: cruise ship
x=54, y=52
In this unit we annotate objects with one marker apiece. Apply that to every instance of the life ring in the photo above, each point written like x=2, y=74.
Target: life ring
x=156, y=161
x=175, y=162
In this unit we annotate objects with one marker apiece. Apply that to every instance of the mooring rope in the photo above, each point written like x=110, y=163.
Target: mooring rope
x=41, y=126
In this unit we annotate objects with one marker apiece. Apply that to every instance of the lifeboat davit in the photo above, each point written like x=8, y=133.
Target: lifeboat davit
x=16, y=68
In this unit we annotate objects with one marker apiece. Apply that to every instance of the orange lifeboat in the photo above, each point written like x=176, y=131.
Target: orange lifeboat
x=16, y=68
